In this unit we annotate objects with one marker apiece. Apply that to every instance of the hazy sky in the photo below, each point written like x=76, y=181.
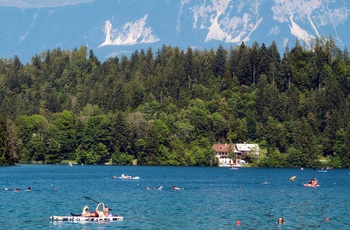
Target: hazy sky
x=40, y=3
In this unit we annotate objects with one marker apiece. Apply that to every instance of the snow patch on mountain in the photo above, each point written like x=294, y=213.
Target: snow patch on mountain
x=131, y=33
x=298, y=32
x=310, y=13
x=216, y=17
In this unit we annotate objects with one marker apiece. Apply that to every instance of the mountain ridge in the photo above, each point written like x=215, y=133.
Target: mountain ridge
x=113, y=27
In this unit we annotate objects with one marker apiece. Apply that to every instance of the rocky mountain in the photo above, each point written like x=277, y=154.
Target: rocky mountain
x=118, y=27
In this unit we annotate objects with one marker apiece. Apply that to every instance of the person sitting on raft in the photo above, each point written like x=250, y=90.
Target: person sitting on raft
x=97, y=213
x=85, y=211
x=314, y=182
x=104, y=212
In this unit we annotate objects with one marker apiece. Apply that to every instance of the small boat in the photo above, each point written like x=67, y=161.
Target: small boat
x=322, y=170
x=126, y=177
x=292, y=178
x=311, y=185
x=234, y=167
x=85, y=219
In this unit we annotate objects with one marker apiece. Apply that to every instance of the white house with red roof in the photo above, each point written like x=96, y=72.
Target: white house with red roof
x=222, y=152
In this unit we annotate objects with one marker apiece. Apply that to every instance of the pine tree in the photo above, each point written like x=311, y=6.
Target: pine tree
x=120, y=133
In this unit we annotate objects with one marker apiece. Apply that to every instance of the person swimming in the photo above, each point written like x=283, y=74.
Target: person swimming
x=280, y=220
x=175, y=188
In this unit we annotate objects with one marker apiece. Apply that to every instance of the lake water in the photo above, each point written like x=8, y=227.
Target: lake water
x=211, y=198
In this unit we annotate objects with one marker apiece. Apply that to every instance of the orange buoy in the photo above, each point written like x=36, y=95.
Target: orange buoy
x=238, y=222
x=327, y=218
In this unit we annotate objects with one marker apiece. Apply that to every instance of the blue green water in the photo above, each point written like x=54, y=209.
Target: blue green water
x=212, y=197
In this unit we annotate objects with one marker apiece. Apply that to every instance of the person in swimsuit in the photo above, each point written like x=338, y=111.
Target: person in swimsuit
x=104, y=212
x=85, y=211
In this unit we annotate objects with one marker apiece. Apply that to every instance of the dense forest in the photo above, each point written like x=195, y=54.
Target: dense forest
x=169, y=106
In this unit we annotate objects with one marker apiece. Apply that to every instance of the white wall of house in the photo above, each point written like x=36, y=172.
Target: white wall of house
x=239, y=149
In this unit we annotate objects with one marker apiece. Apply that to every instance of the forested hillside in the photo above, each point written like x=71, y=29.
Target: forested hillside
x=169, y=106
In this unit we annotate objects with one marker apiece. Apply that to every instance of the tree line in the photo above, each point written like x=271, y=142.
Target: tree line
x=170, y=106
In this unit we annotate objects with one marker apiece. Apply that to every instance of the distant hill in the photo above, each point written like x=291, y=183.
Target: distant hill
x=112, y=28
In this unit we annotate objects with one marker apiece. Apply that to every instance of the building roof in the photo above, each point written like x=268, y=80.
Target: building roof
x=247, y=147
x=223, y=147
